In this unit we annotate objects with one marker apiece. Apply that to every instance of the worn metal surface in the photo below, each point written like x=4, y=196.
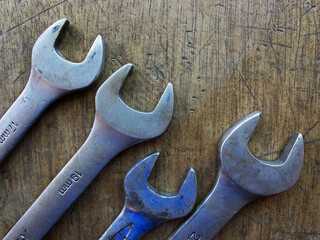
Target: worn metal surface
x=51, y=77
x=241, y=179
x=107, y=139
x=225, y=59
x=145, y=207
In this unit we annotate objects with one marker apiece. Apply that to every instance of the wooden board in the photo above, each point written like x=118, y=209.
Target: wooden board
x=225, y=60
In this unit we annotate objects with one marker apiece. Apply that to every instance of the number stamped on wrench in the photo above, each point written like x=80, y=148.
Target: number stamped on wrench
x=74, y=178
x=11, y=128
x=193, y=236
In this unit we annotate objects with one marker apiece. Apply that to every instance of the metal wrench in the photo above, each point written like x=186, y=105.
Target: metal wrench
x=116, y=127
x=51, y=77
x=145, y=207
x=242, y=178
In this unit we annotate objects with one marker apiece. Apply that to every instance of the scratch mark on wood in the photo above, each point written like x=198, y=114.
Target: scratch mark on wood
x=158, y=72
x=280, y=151
x=115, y=58
x=103, y=12
x=20, y=24
x=277, y=44
x=177, y=148
x=14, y=81
x=242, y=50
x=196, y=56
x=266, y=29
x=293, y=113
x=245, y=83
x=312, y=142
x=312, y=127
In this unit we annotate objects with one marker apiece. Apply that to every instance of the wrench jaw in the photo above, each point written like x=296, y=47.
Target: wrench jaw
x=127, y=121
x=60, y=72
x=158, y=206
x=136, y=178
x=53, y=35
x=254, y=175
x=187, y=193
x=292, y=161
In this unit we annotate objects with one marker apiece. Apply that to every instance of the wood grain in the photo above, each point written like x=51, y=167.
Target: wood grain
x=225, y=60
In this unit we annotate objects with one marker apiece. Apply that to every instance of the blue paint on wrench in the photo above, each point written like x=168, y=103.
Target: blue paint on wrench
x=145, y=207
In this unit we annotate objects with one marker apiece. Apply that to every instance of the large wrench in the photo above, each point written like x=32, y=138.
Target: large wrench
x=116, y=127
x=51, y=77
x=145, y=207
x=242, y=178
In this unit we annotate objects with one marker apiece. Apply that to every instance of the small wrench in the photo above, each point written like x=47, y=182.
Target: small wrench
x=51, y=77
x=242, y=178
x=145, y=207
x=116, y=127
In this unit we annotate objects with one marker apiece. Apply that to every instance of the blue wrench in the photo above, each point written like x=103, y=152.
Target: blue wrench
x=145, y=207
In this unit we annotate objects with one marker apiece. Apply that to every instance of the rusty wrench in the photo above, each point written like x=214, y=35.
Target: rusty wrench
x=116, y=127
x=242, y=178
x=51, y=77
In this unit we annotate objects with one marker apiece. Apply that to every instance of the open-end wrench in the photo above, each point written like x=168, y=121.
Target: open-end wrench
x=51, y=77
x=145, y=207
x=242, y=178
x=116, y=127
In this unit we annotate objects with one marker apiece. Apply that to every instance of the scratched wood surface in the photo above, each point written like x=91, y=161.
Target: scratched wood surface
x=225, y=60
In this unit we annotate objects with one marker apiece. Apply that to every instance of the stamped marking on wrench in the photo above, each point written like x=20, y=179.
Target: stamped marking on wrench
x=124, y=232
x=194, y=236
x=74, y=178
x=12, y=127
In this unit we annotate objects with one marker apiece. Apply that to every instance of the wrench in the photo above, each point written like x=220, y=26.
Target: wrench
x=242, y=178
x=116, y=127
x=51, y=77
x=145, y=207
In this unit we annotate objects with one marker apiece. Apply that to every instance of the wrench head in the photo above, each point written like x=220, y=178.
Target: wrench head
x=135, y=124
x=254, y=175
x=57, y=70
x=157, y=205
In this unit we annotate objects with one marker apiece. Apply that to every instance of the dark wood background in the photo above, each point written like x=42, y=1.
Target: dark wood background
x=225, y=60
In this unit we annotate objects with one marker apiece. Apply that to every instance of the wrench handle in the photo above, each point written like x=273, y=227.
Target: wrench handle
x=35, y=97
x=129, y=225
x=102, y=144
x=222, y=203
